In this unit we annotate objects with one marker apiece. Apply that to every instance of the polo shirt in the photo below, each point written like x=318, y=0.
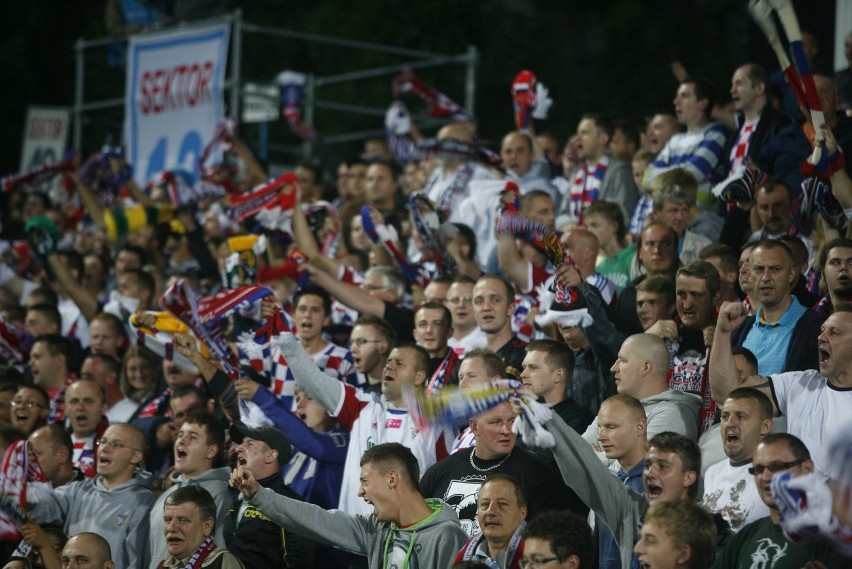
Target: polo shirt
x=769, y=341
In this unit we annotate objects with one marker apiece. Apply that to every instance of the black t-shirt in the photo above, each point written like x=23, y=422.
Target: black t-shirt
x=513, y=353
x=456, y=482
x=401, y=320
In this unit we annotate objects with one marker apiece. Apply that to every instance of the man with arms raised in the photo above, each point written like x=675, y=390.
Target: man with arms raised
x=115, y=504
x=402, y=525
x=458, y=478
x=815, y=403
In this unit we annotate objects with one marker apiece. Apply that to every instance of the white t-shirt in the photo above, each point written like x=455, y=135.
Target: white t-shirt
x=732, y=492
x=816, y=413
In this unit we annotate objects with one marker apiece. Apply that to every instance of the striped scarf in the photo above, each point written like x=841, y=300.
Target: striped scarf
x=586, y=185
x=442, y=375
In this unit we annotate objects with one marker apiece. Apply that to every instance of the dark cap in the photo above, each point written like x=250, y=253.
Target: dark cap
x=271, y=436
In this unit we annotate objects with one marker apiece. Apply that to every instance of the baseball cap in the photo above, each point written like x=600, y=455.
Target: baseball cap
x=271, y=436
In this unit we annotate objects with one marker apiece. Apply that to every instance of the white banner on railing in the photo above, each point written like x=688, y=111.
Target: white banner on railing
x=175, y=84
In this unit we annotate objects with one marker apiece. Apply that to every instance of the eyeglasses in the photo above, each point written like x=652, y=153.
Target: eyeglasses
x=114, y=445
x=537, y=562
x=757, y=470
x=28, y=404
x=361, y=341
x=460, y=300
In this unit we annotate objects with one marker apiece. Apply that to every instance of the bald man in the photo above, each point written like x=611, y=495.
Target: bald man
x=115, y=504
x=584, y=247
x=523, y=167
x=641, y=371
x=87, y=550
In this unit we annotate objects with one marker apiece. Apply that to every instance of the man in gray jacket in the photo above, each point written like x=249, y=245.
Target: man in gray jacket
x=198, y=447
x=404, y=531
x=115, y=504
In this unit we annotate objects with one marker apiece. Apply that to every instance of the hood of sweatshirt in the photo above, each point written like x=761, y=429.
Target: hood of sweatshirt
x=688, y=400
x=222, y=474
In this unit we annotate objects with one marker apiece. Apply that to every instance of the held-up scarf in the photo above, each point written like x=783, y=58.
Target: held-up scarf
x=586, y=185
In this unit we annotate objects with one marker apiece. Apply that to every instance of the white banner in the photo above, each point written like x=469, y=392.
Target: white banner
x=175, y=84
x=45, y=136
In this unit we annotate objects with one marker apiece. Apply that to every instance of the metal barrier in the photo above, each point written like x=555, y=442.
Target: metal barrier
x=315, y=84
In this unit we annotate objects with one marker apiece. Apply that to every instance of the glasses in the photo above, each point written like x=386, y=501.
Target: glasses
x=537, y=562
x=114, y=445
x=757, y=470
x=28, y=404
x=361, y=341
x=460, y=300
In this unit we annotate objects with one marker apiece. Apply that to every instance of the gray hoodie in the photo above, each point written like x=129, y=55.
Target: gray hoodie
x=214, y=481
x=430, y=543
x=671, y=410
x=119, y=515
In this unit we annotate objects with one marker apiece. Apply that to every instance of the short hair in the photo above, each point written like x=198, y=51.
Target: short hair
x=778, y=245
x=833, y=244
x=704, y=89
x=385, y=456
x=314, y=290
x=747, y=354
x=531, y=195
x=628, y=129
x=763, y=402
x=392, y=279
x=40, y=392
x=437, y=305
x=646, y=155
x=795, y=444
x=381, y=325
x=672, y=234
x=686, y=448
x=106, y=360
x=314, y=167
x=99, y=542
x=422, y=359
x=756, y=74
x=59, y=437
x=633, y=404
x=391, y=166
x=494, y=364
x=727, y=257
x=57, y=344
x=797, y=247
x=463, y=279
x=773, y=184
x=510, y=289
x=515, y=483
x=659, y=284
x=676, y=185
x=703, y=270
x=566, y=532
x=686, y=523
x=49, y=311
x=144, y=279
x=214, y=428
x=136, y=250
x=558, y=355
x=98, y=387
x=9, y=387
x=25, y=560
x=113, y=320
x=194, y=494
x=602, y=122
x=47, y=295
x=612, y=212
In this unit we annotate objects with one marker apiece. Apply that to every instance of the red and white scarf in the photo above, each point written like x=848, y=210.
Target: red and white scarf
x=586, y=185
x=16, y=472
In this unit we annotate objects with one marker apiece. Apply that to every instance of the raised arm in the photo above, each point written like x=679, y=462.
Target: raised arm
x=723, y=372
x=326, y=390
x=348, y=294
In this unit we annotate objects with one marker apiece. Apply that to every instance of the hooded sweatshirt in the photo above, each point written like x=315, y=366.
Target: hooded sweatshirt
x=214, y=481
x=431, y=542
x=119, y=515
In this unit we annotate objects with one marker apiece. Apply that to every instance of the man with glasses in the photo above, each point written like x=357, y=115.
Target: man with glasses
x=557, y=540
x=30, y=408
x=466, y=334
x=762, y=540
x=115, y=504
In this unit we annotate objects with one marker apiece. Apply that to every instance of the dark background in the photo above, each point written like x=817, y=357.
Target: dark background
x=609, y=56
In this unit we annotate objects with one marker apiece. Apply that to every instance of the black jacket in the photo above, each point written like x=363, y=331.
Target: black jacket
x=259, y=542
